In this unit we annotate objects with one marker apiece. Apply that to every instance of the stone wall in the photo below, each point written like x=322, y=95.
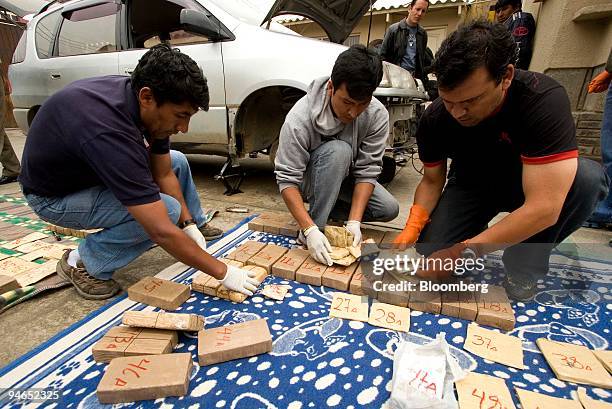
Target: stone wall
x=587, y=109
x=588, y=130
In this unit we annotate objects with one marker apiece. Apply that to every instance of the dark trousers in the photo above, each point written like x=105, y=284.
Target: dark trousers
x=465, y=211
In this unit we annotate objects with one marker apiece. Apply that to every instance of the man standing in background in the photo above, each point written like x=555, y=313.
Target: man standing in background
x=602, y=216
x=405, y=42
x=522, y=27
x=10, y=162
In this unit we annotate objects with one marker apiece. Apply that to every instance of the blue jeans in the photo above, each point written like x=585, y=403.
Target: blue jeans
x=328, y=187
x=603, y=211
x=465, y=211
x=122, y=239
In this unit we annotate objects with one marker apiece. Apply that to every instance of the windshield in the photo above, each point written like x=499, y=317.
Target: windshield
x=23, y=7
x=248, y=11
x=252, y=12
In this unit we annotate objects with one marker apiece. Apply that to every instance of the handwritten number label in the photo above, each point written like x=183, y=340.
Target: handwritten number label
x=387, y=317
x=493, y=400
x=223, y=336
x=572, y=362
x=344, y=304
x=129, y=368
x=153, y=285
x=479, y=340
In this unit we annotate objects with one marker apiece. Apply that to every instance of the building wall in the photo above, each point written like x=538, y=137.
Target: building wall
x=437, y=19
x=573, y=53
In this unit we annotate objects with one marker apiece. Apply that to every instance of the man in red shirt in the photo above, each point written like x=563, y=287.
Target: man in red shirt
x=511, y=138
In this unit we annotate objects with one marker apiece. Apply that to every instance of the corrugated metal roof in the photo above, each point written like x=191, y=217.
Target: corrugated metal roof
x=378, y=6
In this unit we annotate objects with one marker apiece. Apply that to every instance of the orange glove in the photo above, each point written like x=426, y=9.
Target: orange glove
x=416, y=221
x=600, y=83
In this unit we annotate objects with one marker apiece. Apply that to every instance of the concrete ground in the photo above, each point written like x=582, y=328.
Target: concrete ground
x=37, y=320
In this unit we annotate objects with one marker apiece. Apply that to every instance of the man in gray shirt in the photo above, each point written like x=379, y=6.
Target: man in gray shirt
x=330, y=152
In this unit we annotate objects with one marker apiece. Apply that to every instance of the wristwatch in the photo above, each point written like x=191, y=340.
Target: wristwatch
x=186, y=223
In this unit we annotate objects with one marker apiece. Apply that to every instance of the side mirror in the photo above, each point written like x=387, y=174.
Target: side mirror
x=197, y=22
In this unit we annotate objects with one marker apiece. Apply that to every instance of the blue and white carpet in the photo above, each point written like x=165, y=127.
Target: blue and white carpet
x=319, y=361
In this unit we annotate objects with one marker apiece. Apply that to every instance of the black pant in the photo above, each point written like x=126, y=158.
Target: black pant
x=465, y=211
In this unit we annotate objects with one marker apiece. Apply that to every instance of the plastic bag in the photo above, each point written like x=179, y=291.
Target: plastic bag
x=424, y=376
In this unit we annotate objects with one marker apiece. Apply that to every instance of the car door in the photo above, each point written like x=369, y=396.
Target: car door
x=85, y=45
x=146, y=23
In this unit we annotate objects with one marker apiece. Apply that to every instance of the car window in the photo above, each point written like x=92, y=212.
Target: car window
x=178, y=37
x=153, y=21
x=88, y=35
x=45, y=34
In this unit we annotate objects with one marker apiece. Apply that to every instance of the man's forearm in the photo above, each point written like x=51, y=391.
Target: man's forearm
x=185, y=250
x=295, y=204
x=515, y=228
x=169, y=185
x=428, y=194
x=153, y=217
x=361, y=196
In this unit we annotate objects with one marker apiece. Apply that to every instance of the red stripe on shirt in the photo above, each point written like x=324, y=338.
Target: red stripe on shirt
x=541, y=160
x=433, y=164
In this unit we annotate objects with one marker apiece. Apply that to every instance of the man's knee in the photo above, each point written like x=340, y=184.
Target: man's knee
x=389, y=210
x=179, y=161
x=335, y=155
x=173, y=207
x=591, y=183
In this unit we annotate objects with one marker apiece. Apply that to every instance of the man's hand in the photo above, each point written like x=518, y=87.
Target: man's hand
x=196, y=235
x=240, y=280
x=418, y=218
x=441, y=264
x=600, y=83
x=318, y=245
x=354, y=227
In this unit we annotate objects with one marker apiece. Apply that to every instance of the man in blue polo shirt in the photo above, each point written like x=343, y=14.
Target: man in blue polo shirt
x=98, y=156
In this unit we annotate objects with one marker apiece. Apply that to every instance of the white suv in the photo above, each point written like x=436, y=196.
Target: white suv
x=255, y=74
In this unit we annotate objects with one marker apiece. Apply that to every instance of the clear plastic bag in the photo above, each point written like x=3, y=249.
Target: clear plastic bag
x=424, y=376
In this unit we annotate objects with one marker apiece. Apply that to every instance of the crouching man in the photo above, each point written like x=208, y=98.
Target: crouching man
x=97, y=156
x=330, y=152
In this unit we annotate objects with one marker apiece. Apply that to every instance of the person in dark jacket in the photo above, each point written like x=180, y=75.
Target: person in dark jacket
x=405, y=42
x=602, y=216
x=522, y=27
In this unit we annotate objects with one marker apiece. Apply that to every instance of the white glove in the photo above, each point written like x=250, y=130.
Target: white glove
x=354, y=227
x=196, y=235
x=318, y=245
x=237, y=279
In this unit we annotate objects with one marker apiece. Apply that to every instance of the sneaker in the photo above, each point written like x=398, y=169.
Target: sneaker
x=210, y=232
x=7, y=179
x=519, y=290
x=87, y=286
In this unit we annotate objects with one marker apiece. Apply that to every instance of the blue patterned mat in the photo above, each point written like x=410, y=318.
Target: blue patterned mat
x=321, y=362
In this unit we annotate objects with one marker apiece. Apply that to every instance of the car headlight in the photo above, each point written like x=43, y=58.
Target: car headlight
x=395, y=76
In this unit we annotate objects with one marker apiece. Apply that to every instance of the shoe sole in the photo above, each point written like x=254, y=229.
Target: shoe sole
x=517, y=298
x=214, y=237
x=82, y=293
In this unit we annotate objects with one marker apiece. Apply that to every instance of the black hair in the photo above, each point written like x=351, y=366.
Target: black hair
x=360, y=69
x=413, y=2
x=172, y=76
x=474, y=45
x=517, y=4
